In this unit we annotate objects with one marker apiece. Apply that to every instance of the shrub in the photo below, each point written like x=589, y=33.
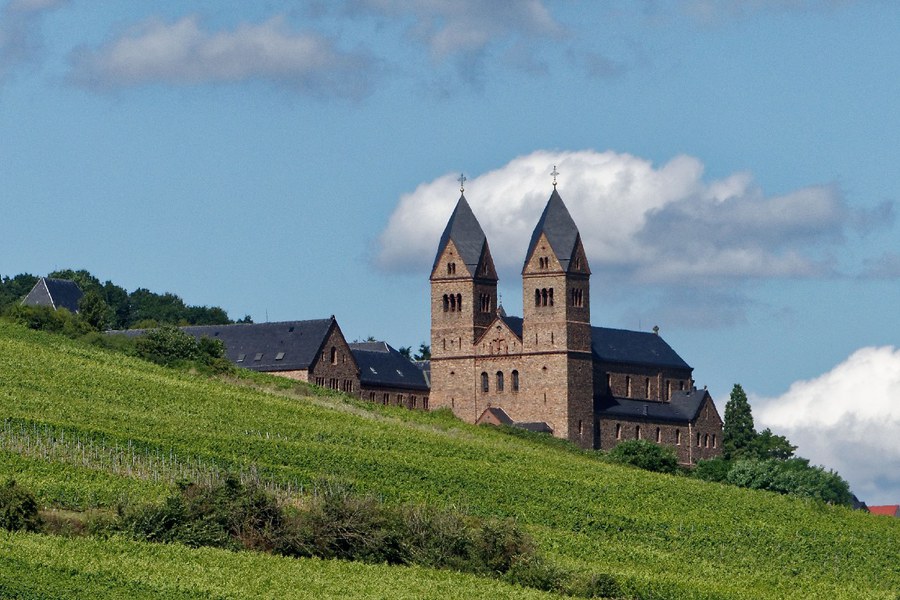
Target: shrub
x=167, y=345
x=18, y=508
x=645, y=455
x=715, y=469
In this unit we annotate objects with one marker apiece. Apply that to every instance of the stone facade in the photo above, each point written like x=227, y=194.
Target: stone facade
x=546, y=366
x=334, y=366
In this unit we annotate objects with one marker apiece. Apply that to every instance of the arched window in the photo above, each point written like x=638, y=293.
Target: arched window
x=334, y=354
x=658, y=435
x=637, y=432
x=451, y=268
x=485, y=383
x=446, y=303
x=628, y=386
x=647, y=388
x=544, y=297
x=706, y=440
x=698, y=440
x=515, y=381
x=677, y=437
x=618, y=431
x=499, y=381
x=714, y=441
x=550, y=296
x=452, y=303
x=537, y=297
x=459, y=302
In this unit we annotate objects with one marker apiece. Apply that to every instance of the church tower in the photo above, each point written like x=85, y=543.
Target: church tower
x=556, y=331
x=463, y=304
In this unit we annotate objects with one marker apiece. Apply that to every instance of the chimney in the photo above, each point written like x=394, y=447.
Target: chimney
x=656, y=329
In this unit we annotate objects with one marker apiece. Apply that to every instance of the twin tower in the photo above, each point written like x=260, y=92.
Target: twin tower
x=537, y=369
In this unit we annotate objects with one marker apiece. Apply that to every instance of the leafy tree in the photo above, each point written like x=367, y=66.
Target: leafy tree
x=405, y=351
x=246, y=319
x=167, y=345
x=92, y=308
x=83, y=278
x=645, y=455
x=13, y=289
x=794, y=476
x=739, y=433
x=44, y=318
x=424, y=352
x=768, y=445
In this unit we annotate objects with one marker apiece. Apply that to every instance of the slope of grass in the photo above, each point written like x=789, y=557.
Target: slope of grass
x=662, y=536
x=50, y=567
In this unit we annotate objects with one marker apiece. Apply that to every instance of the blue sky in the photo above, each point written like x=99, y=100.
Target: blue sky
x=732, y=165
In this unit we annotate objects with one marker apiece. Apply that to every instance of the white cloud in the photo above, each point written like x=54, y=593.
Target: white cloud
x=20, y=39
x=466, y=26
x=662, y=225
x=184, y=53
x=847, y=419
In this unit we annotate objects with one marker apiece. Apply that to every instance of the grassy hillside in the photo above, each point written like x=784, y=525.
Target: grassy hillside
x=85, y=427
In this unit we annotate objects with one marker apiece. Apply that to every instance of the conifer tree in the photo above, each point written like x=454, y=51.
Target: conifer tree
x=739, y=433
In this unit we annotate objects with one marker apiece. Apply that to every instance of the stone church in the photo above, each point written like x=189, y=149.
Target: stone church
x=550, y=369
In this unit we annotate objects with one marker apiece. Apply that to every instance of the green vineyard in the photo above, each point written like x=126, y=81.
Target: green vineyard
x=87, y=429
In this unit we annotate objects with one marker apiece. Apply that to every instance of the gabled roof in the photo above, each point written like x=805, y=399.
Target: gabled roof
x=559, y=227
x=499, y=415
x=381, y=365
x=683, y=407
x=514, y=323
x=633, y=347
x=466, y=234
x=890, y=510
x=56, y=293
x=282, y=346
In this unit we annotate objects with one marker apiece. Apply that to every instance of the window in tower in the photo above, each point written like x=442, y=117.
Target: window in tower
x=543, y=296
x=333, y=355
x=550, y=296
x=459, y=302
x=485, y=303
x=446, y=303
x=537, y=297
x=515, y=381
x=485, y=383
x=451, y=268
x=499, y=381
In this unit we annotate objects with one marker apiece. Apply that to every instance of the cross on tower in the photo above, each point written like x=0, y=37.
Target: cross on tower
x=554, y=173
x=462, y=182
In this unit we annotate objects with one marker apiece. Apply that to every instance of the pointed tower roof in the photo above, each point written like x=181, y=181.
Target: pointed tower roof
x=466, y=233
x=557, y=224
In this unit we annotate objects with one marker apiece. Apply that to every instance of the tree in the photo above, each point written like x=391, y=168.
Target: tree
x=92, y=308
x=424, y=352
x=739, y=433
x=405, y=351
x=645, y=455
x=768, y=445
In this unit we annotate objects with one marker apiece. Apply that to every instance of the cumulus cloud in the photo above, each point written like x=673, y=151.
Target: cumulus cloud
x=184, y=53
x=639, y=222
x=20, y=40
x=847, y=420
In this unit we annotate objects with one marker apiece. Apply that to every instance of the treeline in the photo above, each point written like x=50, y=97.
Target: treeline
x=108, y=306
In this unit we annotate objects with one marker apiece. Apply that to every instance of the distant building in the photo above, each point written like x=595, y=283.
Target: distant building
x=315, y=351
x=890, y=510
x=550, y=368
x=388, y=377
x=55, y=293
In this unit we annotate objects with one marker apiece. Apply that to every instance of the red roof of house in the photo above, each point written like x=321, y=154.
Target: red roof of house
x=891, y=510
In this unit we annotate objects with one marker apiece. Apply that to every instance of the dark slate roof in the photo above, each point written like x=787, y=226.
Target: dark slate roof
x=282, y=346
x=633, y=347
x=514, y=323
x=561, y=231
x=538, y=427
x=425, y=367
x=465, y=231
x=57, y=293
x=682, y=408
x=381, y=365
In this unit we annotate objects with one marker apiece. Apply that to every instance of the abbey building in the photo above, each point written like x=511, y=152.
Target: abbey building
x=551, y=369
